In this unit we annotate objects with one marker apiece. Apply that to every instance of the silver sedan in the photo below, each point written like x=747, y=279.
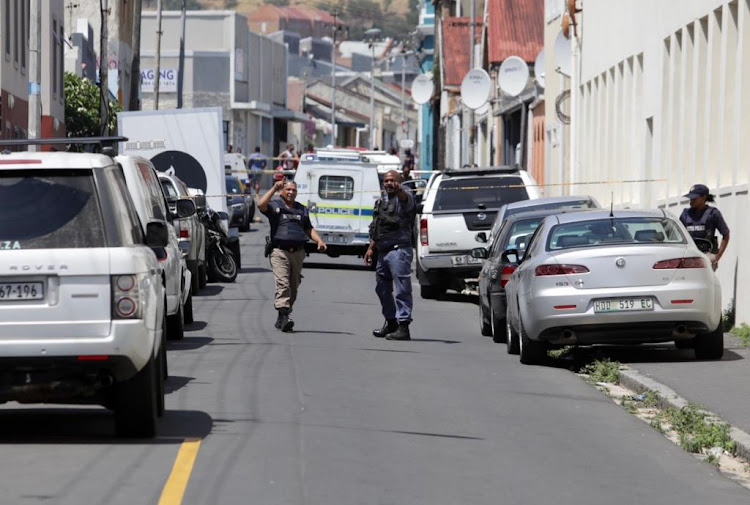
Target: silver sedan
x=618, y=277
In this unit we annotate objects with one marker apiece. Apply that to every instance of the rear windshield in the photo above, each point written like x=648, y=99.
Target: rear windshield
x=233, y=186
x=604, y=232
x=49, y=209
x=169, y=189
x=578, y=204
x=470, y=193
x=519, y=234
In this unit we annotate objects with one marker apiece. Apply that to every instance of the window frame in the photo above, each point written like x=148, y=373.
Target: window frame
x=346, y=191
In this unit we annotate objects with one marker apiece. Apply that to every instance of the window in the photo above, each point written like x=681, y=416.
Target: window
x=225, y=130
x=615, y=231
x=470, y=193
x=169, y=190
x=336, y=187
x=520, y=233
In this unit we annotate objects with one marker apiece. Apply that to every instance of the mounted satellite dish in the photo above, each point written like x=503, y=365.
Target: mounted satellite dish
x=513, y=76
x=475, y=88
x=562, y=54
x=539, y=69
x=422, y=89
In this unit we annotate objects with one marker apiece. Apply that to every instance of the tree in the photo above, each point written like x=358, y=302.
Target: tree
x=82, y=108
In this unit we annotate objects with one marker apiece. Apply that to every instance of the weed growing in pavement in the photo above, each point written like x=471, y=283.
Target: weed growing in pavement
x=694, y=429
x=559, y=353
x=656, y=424
x=602, y=371
x=743, y=333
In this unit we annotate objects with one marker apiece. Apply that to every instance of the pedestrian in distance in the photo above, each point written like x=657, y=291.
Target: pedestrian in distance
x=290, y=229
x=703, y=220
x=257, y=162
x=391, y=239
x=408, y=164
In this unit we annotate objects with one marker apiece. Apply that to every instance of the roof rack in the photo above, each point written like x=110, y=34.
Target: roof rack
x=103, y=145
x=506, y=169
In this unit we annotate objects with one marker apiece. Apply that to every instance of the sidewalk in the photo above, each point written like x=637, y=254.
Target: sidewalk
x=720, y=387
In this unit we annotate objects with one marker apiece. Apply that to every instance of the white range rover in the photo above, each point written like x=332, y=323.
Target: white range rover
x=82, y=297
x=457, y=205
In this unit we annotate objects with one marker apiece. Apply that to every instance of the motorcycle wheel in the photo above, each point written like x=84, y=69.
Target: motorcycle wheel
x=223, y=266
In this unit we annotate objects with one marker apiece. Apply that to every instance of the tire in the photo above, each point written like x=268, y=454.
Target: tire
x=499, y=331
x=512, y=345
x=246, y=224
x=165, y=367
x=710, y=345
x=202, y=276
x=530, y=351
x=188, y=310
x=485, y=323
x=223, y=266
x=431, y=292
x=137, y=402
x=194, y=279
x=176, y=325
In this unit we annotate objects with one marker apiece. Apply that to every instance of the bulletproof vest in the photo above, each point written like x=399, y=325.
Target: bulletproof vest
x=388, y=221
x=703, y=227
x=290, y=225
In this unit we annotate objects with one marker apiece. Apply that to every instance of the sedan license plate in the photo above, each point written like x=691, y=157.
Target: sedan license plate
x=464, y=260
x=20, y=291
x=336, y=239
x=623, y=305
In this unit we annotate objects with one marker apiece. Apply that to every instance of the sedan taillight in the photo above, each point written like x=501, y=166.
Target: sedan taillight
x=126, y=303
x=505, y=274
x=423, y=238
x=543, y=270
x=681, y=263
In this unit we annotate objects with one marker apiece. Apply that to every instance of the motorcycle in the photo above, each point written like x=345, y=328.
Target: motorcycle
x=222, y=265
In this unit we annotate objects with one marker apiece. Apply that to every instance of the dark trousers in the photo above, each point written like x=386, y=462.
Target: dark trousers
x=394, y=268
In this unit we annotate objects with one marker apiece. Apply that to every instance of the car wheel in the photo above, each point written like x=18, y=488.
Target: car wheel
x=532, y=352
x=498, y=328
x=176, y=325
x=165, y=367
x=202, y=275
x=137, y=403
x=189, y=309
x=246, y=222
x=485, y=324
x=195, y=283
x=710, y=345
x=431, y=292
x=511, y=338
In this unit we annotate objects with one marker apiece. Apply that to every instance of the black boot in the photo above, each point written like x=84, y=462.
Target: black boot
x=401, y=333
x=285, y=322
x=279, y=321
x=389, y=326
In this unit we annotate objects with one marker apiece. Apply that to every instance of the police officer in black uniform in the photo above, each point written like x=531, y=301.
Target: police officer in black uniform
x=702, y=221
x=290, y=229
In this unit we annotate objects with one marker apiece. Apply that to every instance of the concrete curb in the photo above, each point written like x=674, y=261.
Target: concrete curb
x=668, y=397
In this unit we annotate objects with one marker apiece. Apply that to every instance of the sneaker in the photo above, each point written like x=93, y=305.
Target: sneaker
x=389, y=326
x=279, y=320
x=401, y=333
x=287, y=324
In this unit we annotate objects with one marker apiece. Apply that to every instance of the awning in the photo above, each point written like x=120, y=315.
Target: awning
x=508, y=105
x=323, y=112
x=289, y=115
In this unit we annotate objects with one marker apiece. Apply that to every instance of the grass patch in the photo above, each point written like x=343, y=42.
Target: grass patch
x=695, y=431
x=603, y=371
x=742, y=332
x=559, y=353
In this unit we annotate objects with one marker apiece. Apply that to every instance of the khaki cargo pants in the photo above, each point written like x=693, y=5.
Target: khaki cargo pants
x=287, y=272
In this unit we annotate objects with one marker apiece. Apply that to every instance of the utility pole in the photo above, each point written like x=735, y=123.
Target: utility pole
x=158, y=55
x=135, y=72
x=333, y=79
x=403, y=99
x=104, y=69
x=35, y=71
x=181, y=64
x=372, y=34
x=470, y=119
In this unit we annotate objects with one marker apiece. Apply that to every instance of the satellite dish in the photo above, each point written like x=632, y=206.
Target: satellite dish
x=513, y=76
x=539, y=69
x=475, y=88
x=422, y=89
x=562, y=54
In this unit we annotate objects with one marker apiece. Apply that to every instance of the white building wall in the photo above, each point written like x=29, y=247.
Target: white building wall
x=664, y=103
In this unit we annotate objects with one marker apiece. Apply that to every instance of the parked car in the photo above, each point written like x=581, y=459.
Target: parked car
x=622, y=277
x=456, y=205
x=82, y=298
x=240, y=203
x=189, y=230
x=150, y=203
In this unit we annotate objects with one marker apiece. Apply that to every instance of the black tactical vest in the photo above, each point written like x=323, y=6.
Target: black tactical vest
x=389, y=223
x=703, y=227
x=288, y=225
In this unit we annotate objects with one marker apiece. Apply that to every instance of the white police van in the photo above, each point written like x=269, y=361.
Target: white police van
x=340, y=193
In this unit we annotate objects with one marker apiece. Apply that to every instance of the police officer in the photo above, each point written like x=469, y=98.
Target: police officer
x=290, y=229
x=391, y=236
x=702, y=221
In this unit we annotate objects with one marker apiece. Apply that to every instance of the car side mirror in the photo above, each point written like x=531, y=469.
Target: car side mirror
x=703, y=245
x=157, y=234
x=511, y=256
x=480, y=253
x=481, y=237
x=185, y=208
x=200, y=201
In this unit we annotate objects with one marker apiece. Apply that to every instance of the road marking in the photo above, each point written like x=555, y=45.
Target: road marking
x=174, y=489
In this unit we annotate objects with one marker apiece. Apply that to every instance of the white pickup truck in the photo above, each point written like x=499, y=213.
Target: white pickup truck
x=458, y=204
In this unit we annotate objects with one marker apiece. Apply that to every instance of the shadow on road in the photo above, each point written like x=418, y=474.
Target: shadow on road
x=334, y=266
x=254, y=270
x=175, y=383
x=188, y=343
x=459, y=298
x=323, y=332
x=441, y=341
x=210, y=290
x=196, y=326
x=94, y=426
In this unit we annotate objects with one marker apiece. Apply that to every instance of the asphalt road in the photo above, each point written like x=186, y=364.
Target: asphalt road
x=329, y=415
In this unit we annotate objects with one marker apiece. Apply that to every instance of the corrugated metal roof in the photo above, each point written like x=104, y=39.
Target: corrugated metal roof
x=455, y=38
x=516, y=28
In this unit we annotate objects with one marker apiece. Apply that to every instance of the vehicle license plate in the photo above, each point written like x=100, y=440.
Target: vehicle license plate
x=14, y=291
x=336, y=239
x=623, y=304
x=464, y=260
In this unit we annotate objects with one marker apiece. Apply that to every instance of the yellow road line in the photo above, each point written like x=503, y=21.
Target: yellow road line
x=174, y=489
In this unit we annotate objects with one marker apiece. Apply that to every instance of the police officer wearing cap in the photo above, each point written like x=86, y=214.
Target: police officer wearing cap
x=702, y=221
x=391, y=237
x=290, y=230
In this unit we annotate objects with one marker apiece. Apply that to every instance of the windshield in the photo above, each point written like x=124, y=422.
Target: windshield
x=519, y=234
x=233, y=186
x=49, y=209
x=542, y=205
x=470, y=193
x=604, y=232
